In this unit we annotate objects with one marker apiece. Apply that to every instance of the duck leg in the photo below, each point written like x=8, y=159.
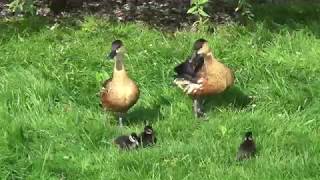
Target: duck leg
x=195, y=107
x=201, y=112
x=198, y=107
x=121, y=117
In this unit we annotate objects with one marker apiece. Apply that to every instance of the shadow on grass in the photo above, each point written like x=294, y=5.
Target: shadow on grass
x=233, y=96
x=30, y=25
x=148, y=114
x=292, y=16
x=144, y=115
x=25, y=26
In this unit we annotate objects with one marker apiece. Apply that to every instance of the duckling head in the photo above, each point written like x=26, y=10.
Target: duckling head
x=201, y=47
x=116, y=48
x=248, y=136
x=148, y=129
x=134, y=138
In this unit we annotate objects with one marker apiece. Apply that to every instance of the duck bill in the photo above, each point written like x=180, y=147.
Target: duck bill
x=112, y=54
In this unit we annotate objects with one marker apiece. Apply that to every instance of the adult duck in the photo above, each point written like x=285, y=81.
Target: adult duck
x=202, y=75
x=119, y=93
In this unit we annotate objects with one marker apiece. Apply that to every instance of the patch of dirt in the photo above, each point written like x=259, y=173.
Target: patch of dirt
x=167, y=14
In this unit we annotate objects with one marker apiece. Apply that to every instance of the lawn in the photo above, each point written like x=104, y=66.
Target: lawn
x=51, y=125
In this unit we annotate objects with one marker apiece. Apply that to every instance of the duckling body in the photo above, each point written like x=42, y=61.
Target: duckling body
x=125, y=142
x=119, y=93
x=147, y=137
x=247, y=148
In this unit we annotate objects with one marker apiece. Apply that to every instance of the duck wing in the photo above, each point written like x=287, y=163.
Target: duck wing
x=105, y=83
x=189, y=69
x=105, y=87
x=198, y=62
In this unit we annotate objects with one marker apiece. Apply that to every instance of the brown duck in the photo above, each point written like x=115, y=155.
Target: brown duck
x=119, y=93
x=202, y=75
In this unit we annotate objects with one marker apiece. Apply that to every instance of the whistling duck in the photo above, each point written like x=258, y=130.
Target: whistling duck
x=127, y=142
x=202, y=75
x=147, y=137
x=247, y=148
x=119, y=93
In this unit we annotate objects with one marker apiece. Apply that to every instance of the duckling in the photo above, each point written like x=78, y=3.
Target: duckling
x=247, y=148
x=127, y=142
x=210, y=77
x=147, y=137
x=119, y=93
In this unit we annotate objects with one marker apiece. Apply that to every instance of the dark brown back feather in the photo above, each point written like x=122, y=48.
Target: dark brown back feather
x=189, y=69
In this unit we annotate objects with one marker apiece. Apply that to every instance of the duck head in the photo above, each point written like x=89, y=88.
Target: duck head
x=116, y=48
x=248, y=136
x=201, y=47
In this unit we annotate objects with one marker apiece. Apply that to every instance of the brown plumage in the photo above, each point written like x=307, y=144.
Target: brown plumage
x=119, y=93
x=216, y=77
x=212, y=78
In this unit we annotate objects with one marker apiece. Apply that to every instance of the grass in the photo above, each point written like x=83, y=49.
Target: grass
x=51, y=126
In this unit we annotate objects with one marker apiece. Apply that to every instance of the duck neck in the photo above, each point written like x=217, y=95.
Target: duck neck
x=209, y=57
x=119, y=70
